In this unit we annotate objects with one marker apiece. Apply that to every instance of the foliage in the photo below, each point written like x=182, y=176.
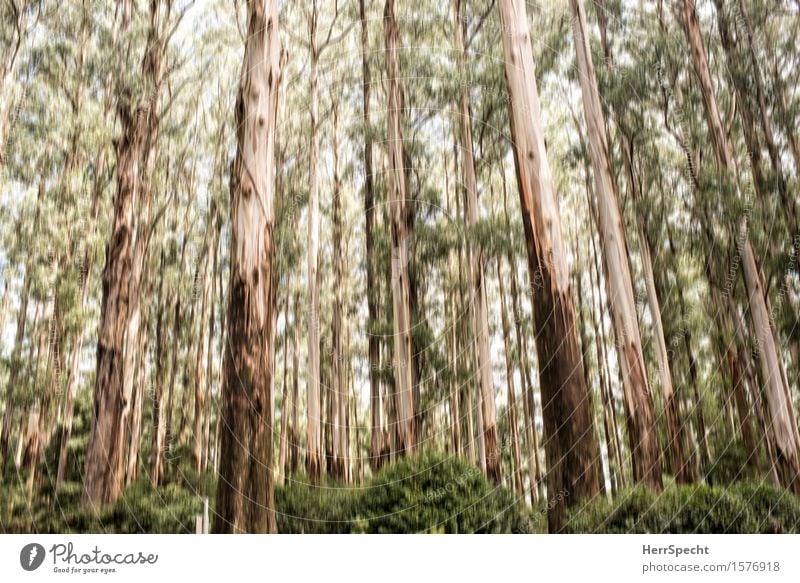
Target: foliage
x=746, y=507
x=431, y=493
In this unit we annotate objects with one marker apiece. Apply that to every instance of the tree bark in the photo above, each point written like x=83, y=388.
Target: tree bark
x=338, y=392
x=512, y=398
x=369, y=217
x=294, y=435
x=771, y=366
x=396, y=188
x=157, y=430
x=313, y=410
x=642, y=428
x=478, y=286
x=199, y=386
x=283, y=443
x=573, y=457
x=245, y=500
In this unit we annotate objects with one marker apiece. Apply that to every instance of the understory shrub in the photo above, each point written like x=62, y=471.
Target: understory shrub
x=426, y=493
x=745, y=507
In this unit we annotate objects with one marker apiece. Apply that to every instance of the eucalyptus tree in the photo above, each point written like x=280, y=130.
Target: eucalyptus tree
x=573, y=457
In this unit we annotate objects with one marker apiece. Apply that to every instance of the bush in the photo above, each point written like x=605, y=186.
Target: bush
x=730, y=466
x=426, y=493
x=775, y=510
x=745, y=507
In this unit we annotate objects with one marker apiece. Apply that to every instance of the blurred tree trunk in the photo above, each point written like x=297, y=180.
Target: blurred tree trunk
x=401, y=244
x=283, y=439
x=211, y=326
x=245, y=501
x=125, y=257
x=512, y=398
x=157, y=430
x=573, y=457
x=199, y=385
x=338, y=393
x=369, y=214
x=294, y=434
x=478, y=289
x=772, y=374
x=313, y=397
x=641, y=419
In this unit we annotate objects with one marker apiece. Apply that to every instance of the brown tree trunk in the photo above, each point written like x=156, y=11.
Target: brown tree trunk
x=642, y=429
x=573, y=457
x=283, y=443
x=140, y=388
x=478, y=289
x=313, y=397
x=771, y=367
x=245, y=500
x=396, y=188
x=294, y=443
x=158, y=386
x=372, y=287
x=105, y=456
x=512, y=399
x=199, y=386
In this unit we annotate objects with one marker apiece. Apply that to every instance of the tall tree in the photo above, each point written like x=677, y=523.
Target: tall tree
x=374, y=347
x=398, y=202
x=638, y=403
x=573, y=457
x=478, y=289
x=245, y=500
x=773, y=375
x=139, y=118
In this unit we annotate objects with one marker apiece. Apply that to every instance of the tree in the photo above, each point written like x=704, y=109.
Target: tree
x=369, y=227
x=478, y=289
x=398, y=202
x=573, y=458
x=245, y=492
x=122, y=275
x=638, y=403
x=771, y=366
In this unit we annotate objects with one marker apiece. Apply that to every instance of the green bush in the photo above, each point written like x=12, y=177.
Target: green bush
x=730, y=466
x=775, y=510
x=426, y=493
x=745, y=507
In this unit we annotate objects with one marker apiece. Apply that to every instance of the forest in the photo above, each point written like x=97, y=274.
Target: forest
x=372, y=266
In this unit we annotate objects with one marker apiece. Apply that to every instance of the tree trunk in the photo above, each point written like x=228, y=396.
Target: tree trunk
x=478, y=289
x=512, y=399
x=313, y=410
x=105, y=455
x=245, y=501
x=210, y=348
x=199, y=386
x=140, y=388
x=157, y=429
x=294, y=443
x=396, y=188
x=283, y=443
x=642, y=429
x=573, y=457
x=772, y=374
x=369, y=214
